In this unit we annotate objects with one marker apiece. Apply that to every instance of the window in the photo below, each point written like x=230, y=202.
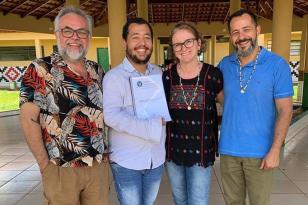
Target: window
x=17, y=53
x=295, y=47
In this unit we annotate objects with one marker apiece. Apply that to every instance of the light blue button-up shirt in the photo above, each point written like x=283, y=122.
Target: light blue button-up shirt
x=134, y=143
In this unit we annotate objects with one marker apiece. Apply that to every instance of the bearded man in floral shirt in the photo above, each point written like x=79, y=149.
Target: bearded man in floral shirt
x=61, y=115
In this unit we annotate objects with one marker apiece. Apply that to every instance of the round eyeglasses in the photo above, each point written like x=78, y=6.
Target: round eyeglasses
x=69, y=32
x=187, y=43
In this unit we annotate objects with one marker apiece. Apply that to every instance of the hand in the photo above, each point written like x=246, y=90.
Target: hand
x=106, y=157
x=163, y=122
x=270, y=161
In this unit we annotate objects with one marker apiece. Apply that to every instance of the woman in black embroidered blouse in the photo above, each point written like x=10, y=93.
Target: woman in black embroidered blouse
x=191, y=89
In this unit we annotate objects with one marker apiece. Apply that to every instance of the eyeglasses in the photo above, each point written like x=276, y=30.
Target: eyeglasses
x=68, y=33
x=187, y=43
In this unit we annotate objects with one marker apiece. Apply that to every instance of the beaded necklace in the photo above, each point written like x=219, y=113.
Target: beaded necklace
x=186, y=95
x=243, y=86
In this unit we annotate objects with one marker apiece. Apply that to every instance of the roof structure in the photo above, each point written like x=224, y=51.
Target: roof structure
x=160, y=11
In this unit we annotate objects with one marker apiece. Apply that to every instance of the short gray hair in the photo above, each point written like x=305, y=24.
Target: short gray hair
x=75, y=10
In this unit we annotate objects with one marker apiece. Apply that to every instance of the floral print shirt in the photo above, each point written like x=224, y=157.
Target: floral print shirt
x=71, y=114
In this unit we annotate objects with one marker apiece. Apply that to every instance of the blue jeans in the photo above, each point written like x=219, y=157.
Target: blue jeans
x=136, y=187
x=190, y=185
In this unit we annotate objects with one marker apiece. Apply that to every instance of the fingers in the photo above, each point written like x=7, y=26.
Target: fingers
x=262, y=164
x=266, y=165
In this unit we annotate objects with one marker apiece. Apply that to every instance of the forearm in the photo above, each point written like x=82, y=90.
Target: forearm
x=282, y=124
x=281, y=129
x=33, y=134
x=122, y=122
x=220, y=98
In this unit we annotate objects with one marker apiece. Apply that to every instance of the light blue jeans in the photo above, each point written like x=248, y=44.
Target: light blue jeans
x=136, y=187
x=190, y=185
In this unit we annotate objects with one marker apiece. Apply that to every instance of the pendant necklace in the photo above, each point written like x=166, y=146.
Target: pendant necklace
x=186, y=95
x=243, y=85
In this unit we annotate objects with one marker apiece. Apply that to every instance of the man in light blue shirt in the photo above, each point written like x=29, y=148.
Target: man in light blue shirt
x=137, y=146
x=257, y=112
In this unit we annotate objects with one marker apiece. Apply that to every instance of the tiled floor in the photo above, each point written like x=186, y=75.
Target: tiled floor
x=20, y=180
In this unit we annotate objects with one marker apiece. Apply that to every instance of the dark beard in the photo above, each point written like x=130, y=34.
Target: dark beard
x=136, y=60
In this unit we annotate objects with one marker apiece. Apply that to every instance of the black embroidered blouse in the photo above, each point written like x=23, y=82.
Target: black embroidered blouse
x=192, y=136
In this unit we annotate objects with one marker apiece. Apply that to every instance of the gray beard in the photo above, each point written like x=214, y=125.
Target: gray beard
x=71, y=56
x=245, y=53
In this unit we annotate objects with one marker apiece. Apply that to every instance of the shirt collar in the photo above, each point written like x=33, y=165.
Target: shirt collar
x=57, y=59
x=262, y=55
x=130, y=68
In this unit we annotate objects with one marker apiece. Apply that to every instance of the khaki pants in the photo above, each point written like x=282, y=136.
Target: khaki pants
x=75, y=186
x=243, y=174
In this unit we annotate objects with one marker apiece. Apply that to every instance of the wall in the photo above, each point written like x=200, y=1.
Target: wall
x=222, y=50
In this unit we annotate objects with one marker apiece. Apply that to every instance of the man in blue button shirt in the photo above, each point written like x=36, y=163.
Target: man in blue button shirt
x=137, y=146
x=257, y=111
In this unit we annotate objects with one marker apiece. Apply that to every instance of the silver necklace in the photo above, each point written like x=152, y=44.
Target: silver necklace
x=185, y=95
x=243, y=86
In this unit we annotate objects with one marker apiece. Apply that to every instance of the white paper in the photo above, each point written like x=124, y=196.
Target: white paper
x=149, y=97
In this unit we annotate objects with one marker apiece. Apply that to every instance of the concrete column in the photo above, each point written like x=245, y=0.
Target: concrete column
x=142, y=9
x=117, y=19
x=72, y=3
x=213, y=50
x=303, y=72
x=282, y=27
x=38, y=48
x=235, y=5
x=207, y=54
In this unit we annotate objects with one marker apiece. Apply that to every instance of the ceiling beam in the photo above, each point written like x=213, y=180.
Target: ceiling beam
x=302, y=10
x=101, y=18
x=183, y=11
x=258, y=7
x=35, y=9
x=84, y=2
x=52, y=10
x=151, y=6
x=12, y=9
x=263, y=9
x=269, y=6
x=227, y=15
x=197, y=15
x=212, y=13
x=1, y=2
